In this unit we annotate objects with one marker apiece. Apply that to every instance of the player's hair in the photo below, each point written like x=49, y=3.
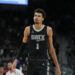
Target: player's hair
x=39, y=10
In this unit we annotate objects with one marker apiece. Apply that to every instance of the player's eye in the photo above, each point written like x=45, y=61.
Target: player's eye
x=39, y=16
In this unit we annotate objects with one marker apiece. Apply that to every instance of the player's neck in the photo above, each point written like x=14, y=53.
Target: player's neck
x=38, y=26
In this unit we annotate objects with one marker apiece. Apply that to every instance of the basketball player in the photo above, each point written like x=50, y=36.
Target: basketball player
x=13, y=71
x=39, y=37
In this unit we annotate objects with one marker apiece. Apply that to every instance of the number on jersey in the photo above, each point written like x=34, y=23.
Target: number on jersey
x=37, y=46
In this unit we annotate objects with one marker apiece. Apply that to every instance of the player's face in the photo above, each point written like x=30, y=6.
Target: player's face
x=38, y=18
x=9, y=66
x=1, y=69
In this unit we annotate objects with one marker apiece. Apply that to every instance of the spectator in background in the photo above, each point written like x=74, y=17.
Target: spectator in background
x=1, y=69
x=13, y=71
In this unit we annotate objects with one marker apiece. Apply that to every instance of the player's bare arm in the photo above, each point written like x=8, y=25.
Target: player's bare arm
x=26, y=34
x=52, y=50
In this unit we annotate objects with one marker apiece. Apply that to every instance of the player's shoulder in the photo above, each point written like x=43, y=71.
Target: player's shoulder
x=49, y=28
x=27, y=28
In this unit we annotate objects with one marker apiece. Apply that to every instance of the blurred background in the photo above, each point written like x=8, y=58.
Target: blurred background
x=15, y=16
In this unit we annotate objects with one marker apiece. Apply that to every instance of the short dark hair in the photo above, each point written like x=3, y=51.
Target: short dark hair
x=39, y=10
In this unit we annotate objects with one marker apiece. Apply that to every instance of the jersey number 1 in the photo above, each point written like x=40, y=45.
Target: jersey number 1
x=37, y=46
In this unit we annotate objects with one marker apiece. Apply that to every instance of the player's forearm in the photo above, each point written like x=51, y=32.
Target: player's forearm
x=21, y=50
x=54, y=57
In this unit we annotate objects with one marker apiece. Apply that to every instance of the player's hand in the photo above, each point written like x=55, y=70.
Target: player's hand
x=58, y=71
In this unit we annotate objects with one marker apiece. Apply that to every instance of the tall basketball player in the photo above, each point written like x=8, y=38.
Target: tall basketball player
x=39, y=37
